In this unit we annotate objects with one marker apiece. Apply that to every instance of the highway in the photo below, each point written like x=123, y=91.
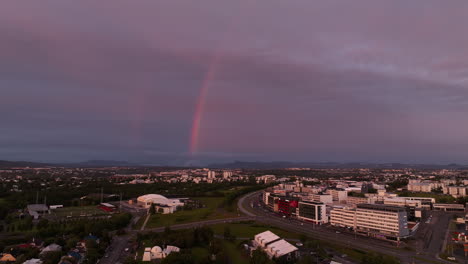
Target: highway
x=329, y=234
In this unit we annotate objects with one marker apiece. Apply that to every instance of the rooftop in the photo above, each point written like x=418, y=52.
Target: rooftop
x=266, y=237
x=281, y=248
x=37, y=207
x=381, y=207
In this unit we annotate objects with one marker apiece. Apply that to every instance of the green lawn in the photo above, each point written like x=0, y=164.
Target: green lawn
x=249, y=230
x=210, y=212
x=77, y=211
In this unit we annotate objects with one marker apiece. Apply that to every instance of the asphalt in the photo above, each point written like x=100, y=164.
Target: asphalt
x=116, y=252
x=330, y=235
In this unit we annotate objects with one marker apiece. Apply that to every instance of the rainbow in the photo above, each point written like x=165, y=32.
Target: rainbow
x=201, y=101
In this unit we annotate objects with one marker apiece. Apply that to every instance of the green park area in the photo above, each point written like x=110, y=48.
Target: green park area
x=78, y=211
x=213, y=209
x=231, y=249
x=249, y=229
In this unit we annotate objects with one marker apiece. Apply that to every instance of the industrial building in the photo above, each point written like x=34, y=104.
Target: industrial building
x=166, y=205
x=274, y=246
x=37, y=210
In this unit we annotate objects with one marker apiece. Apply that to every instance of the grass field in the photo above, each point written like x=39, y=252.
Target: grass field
x=78, y=211
x=210, y=212
x=249, y=230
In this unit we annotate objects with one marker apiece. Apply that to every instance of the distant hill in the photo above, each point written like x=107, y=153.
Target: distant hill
x=13, y=164
x=329, y=165
x=234, y=165
x=103, y=163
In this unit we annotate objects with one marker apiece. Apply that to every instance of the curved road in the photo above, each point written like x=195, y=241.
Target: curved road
x=328, y=234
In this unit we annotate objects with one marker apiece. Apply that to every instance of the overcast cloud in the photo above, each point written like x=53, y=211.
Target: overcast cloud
x=378, y=81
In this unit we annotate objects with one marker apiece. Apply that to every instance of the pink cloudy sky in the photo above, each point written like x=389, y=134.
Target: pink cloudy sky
x=158, y=81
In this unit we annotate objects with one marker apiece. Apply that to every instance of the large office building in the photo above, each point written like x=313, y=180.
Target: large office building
x=315, y=212
x=378, y=220
x=381, y=221
x=343, y=217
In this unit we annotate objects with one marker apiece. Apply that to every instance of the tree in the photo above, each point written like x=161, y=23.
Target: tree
x=307, y=260
x=43, y=223
x=228, y=235
x=51, y=257
x=260, y=257
x=152, y=209
x=178, y=258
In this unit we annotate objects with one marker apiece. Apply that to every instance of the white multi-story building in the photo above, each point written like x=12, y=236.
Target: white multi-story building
x=227, y=174
x=455, y=191
x=343, y=217
x=374, y=220
x=420, y=187
x=211, y=174
x=315, y=212
x=338, y=195
x=382, y=220
x=324, y=198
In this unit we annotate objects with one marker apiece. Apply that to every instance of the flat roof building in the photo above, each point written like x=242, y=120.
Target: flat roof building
x=279, y=249
x=382, y=221
x=264, y=238
x=315, y=212
x=37, y=210
x=274, y=246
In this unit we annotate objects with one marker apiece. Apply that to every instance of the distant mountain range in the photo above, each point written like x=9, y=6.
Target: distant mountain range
x=12, y=164
x=330, y=165
x=236, y=165
x=85, y=164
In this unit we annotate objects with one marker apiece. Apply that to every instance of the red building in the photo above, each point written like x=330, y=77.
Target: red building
x=107, y=207
x=287, y=205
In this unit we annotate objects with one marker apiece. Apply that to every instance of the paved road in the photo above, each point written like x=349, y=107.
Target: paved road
x=328, y=234
x=116, y=252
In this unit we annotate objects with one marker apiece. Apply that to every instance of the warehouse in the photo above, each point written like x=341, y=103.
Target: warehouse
x=167, y=205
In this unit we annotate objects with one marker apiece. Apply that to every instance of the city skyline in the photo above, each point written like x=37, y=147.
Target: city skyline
x=211, y=81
